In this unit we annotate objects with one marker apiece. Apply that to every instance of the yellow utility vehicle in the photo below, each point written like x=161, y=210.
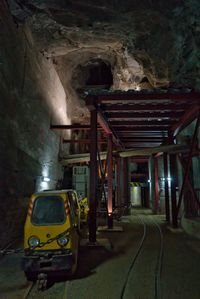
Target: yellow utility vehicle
x=51, y=235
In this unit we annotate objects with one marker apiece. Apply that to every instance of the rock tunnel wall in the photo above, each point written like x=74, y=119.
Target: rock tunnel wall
x=31, y=96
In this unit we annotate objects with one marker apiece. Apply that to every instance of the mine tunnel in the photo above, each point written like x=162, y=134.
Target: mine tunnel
x=99, y=154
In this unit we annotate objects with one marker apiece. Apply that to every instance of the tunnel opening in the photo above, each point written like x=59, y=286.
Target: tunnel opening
x=99, y=73
x=95, y=74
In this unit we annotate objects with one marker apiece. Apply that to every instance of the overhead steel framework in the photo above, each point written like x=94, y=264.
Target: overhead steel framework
x=137, y=124
x=149, y=114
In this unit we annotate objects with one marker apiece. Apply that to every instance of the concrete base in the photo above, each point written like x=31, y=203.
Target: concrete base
x=191, y=226
x=113, y=229
x=124, y=219
x=175, y=230
x=99, y=243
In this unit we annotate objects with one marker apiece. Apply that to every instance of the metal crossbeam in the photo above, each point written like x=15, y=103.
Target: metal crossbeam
x=137, y=96
x=142, y=138
x=105, y=126
x=145, y=107
x=144, y=129
x=140, y=144
x=154, y=122
x=70, y=127
x=187, y=118
x=86, y=141
x=148, y=114
x=189, y=161
x=183, y=164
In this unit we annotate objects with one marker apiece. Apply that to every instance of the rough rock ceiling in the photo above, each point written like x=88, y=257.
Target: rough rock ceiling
x=148, y=43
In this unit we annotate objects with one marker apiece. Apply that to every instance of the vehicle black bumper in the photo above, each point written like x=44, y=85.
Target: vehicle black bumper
x=54, y=263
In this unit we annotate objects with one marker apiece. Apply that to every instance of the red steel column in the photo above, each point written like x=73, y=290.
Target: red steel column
x=167, y=208
x=156, y=184
x=93, y=177
x=189, y=161
x=110, y=182
x=173, y=190
x=118, y=187
x=126, y=184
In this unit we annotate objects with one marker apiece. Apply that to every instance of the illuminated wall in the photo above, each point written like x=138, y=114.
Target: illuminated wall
x=32, y=96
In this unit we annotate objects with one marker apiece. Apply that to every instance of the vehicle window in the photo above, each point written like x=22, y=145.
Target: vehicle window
x=48, y=210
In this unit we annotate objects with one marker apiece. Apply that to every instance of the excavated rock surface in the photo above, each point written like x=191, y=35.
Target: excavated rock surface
x=148, y=44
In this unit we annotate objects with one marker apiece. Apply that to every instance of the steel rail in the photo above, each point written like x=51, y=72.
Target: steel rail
x=158, y=269
x=40, y=293
x=28, y=290
x=7, y=246
x=139, y=248
x=159, y=262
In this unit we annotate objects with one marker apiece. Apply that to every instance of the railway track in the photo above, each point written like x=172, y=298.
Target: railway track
x=8, y=247
x=55, y=291
x=40, y=288
x=37, y=289
x=148, y=222
x=28, y=290
x=159, y=263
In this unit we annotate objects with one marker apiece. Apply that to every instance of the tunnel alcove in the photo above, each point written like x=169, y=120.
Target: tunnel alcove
x=99, y=73
x=94, y=74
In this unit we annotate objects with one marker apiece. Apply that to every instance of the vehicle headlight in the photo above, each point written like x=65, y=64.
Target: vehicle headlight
x=33, y=241
x=62, y=241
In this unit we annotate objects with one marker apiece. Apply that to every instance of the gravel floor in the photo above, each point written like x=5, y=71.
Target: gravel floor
x=102, y=272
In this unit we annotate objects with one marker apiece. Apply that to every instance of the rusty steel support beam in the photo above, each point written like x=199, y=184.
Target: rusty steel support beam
x=189, y=161
x=93, y=178
x=70, y=127
x=147, y=114
x=110, y=182
x=142, y=159
x=116, y=97
x=117, y=123
x=137, y=146
x=187, y=118
x=156, y=186
x=91, y=104
x=118, y=187
x=188, y=181
x=142, y=139
x=167, y=207
x=142, y=134
x=126, y=195
x=102, y=176
x=173, y=173
x=86, y=141
x=104, y=125
x=142, y=107
x=140, y=145
x=141, y=129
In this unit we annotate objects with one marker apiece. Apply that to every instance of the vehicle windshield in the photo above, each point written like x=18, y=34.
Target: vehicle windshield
x=48, y=210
